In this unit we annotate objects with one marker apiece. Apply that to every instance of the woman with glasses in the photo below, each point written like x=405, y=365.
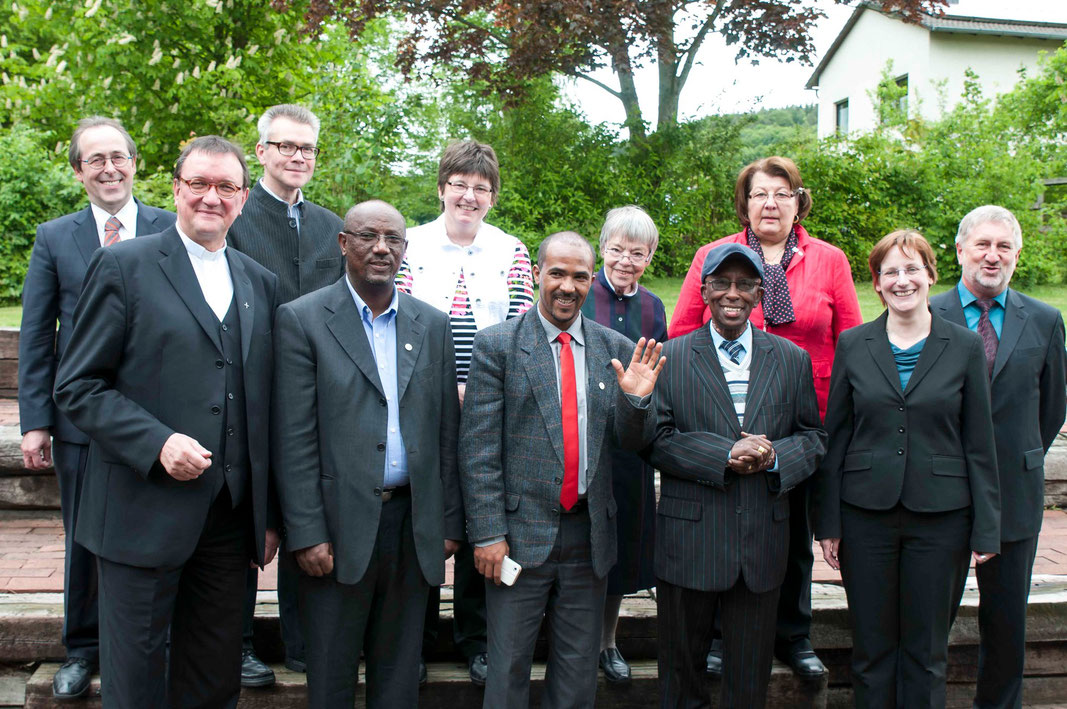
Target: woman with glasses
x=909, y=485
x=480, y=276
x=628, y=240
x=809, y=299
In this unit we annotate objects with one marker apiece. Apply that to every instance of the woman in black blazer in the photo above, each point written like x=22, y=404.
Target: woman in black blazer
x=909, y=482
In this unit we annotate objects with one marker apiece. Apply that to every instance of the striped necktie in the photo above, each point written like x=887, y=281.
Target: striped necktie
x=111, y=230
x=733, y=349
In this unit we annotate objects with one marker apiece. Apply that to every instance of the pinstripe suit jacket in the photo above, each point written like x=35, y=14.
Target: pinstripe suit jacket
x=511, y=438
x=713, y=524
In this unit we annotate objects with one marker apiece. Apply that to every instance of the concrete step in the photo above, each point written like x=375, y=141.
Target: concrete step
x=448, y=686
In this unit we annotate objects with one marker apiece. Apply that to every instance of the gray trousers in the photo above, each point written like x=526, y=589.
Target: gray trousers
x=565, y=591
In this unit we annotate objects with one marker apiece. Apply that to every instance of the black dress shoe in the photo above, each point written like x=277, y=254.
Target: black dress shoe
x=422, y=671
x=294, y=665
x=479, y=668
x=616, y=669
x=254, y=672
x=714, y=667
x=805, y=663
x=72, y=679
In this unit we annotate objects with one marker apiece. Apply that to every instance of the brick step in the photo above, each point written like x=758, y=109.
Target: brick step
x=448, y=686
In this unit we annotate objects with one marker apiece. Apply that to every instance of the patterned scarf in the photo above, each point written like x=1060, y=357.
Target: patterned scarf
x=777, y=303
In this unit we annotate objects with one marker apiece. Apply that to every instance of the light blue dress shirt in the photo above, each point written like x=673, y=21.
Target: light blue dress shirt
x=972, y=312
x=293, y=209
x=381, y=335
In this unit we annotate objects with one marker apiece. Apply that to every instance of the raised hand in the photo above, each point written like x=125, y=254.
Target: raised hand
x=646, y=364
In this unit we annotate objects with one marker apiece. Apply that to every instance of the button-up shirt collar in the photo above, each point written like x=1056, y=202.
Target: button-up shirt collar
x=212, y=272
x=972, y=312
x=127, y=216
x=745, y=339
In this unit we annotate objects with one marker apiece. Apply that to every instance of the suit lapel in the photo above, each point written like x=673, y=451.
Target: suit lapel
x=597, y=366
x=541, y=373
x=179, y=271
x=347, y=327
x=244, y=300
x=878, y=348
x=935, y=345
x=409, y=339
x=950, y=308
x=1015, y=317
x=85, y=235
x=763, y=366
x=145, y=224
x=709, y=371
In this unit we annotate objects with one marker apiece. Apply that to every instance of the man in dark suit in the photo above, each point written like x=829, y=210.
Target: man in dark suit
x=296, y=240
x=541, y=414
x=738, y=427
x=364, y=451
x=104, y=159
x=1024, y=347
x=169, y=373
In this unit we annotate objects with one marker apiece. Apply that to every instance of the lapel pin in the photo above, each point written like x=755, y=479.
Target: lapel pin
x=246, y=306
x=601, y=385
x=407, y=346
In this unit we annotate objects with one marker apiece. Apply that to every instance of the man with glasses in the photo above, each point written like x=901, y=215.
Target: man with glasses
x=297, y=241
x=104, y=159
x=737, y=427
x=168, y=371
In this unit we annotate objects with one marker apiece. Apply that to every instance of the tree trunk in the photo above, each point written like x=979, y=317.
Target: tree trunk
x=635, y=122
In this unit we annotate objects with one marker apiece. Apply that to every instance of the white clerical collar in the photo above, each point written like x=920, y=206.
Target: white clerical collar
x=199, y=252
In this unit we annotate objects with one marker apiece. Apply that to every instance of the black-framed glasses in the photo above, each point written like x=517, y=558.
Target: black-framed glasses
x=310, y=152
x=459, y=187
x=200, y=186
x=369, y=239
x=97, y=162
x=745, y=285
x=893, y=273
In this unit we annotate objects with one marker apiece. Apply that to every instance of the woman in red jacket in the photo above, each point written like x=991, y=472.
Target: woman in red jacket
x=810, y=299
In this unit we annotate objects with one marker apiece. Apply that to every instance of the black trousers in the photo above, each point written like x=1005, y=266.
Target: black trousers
x=902, y=571
x=81, y=617
x=1004, y=587
x=288, y=608
x=468, y=608
x=793, y=626
x=381, y=615
x=199, y=603
x=686, y=623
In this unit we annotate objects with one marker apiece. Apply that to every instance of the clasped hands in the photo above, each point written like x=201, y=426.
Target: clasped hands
x=751, y=453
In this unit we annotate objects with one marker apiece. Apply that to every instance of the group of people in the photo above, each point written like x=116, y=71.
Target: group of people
x=254, y=375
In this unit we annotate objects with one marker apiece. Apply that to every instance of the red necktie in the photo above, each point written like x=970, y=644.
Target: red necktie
x=111, y=230
x=568, y=394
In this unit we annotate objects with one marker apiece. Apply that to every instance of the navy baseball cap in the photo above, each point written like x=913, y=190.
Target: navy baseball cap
x=720, y=254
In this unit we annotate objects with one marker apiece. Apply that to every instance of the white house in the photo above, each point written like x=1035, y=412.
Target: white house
x=929, y=58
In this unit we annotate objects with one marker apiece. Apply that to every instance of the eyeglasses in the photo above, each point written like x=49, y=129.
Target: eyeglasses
x=635, y=255
x=462, y=187
x=745, y=285
x=893, y=273
x=369, y=239
x=310, y=152
x=780, y=197
x=97, y=162
x=199, y=186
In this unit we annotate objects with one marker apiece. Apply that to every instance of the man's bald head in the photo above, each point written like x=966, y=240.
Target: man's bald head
x=375, y=209
x=571, y=238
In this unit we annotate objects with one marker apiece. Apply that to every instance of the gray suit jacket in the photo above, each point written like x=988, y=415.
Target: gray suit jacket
x=511, y=441
x=713, y=525
x=329, y=428
x=1028, y=403
x=60, y=258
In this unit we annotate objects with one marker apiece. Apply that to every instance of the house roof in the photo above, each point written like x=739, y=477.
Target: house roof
x=949, y=24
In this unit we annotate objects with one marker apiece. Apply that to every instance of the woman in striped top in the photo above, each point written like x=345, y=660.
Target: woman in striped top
x=627, y=241
x=480, y=276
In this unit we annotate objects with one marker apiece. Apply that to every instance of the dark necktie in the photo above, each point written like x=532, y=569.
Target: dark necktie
x=568, y=394
x=990, y=341
x=733, y=349
x=111, y=230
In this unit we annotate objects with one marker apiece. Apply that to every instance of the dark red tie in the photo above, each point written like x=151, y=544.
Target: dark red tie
x=568, y=394
x=989, y=335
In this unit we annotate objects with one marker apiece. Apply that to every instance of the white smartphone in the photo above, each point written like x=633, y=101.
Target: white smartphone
x=509, y=571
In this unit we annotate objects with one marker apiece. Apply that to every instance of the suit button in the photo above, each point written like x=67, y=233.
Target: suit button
x=219, y=363
x=900, y=429
x=229, y=468
x=558, y=481
x=229, y=361
x=229, y=431
x=216, y=410
x=225, y=327
x=296, y=262
x=230, y=397
x=377, y=492
x=900, y=408
x=555, y=510
x=900, y=451
x=381, y=446
x=381, y=401
x=738, y=509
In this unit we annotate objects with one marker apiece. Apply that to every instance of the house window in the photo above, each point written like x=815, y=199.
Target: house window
x=902, y=102
x=841, y=116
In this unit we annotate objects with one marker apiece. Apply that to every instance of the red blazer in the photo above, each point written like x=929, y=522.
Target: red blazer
x=824, y=302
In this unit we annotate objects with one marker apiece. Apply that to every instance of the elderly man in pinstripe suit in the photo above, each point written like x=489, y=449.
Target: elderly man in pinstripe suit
x=738, y=426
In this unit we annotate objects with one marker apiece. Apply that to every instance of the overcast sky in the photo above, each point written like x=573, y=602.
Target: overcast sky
x=719, y=85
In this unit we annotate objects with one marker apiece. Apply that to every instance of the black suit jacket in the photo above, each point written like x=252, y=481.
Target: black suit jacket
x=145, y=362
x=1028, y=403
x=928, y=447
x=330, y=425
x=712, y=524
x=61, y=255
